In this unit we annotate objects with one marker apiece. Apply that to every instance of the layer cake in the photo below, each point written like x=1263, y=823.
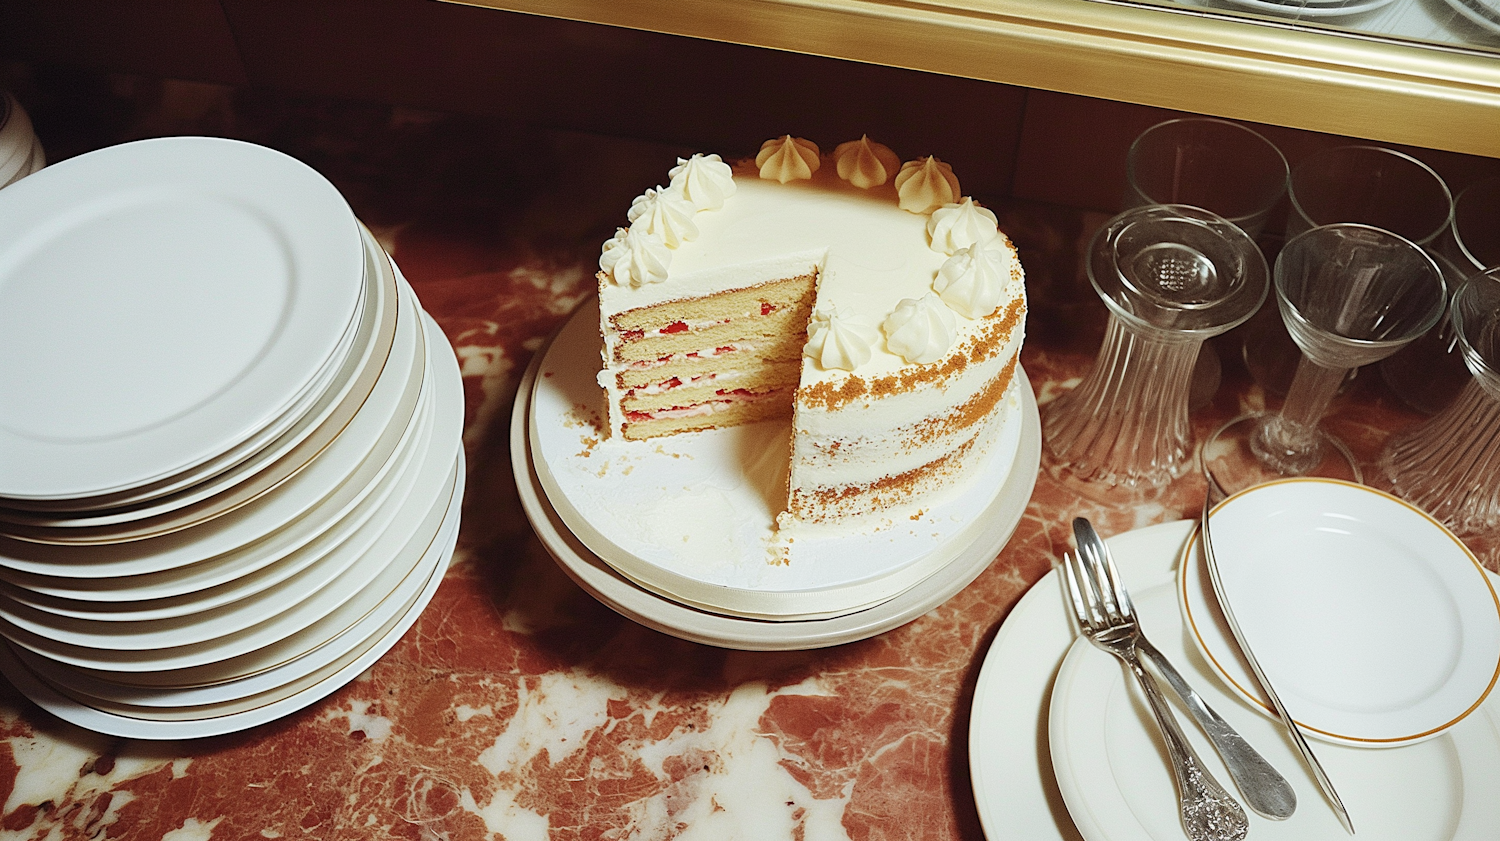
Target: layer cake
x=867, y=300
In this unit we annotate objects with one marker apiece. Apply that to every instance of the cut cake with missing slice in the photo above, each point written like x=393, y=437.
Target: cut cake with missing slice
x=866, y=300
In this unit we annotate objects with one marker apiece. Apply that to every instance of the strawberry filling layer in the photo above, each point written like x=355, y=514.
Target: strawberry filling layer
x=727, y=399
x=678, y=357
x=766, y=308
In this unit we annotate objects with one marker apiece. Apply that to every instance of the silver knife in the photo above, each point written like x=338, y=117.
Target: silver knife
x=1303, y=748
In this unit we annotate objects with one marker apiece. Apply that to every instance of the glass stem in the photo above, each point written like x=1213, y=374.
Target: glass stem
x=1127, y=422
x=1312, y=390
x=1289, y=441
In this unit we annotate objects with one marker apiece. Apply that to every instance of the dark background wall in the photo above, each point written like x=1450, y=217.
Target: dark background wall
x=559, y=74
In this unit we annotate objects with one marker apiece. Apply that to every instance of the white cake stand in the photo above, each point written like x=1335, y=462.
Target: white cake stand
x=969, y=553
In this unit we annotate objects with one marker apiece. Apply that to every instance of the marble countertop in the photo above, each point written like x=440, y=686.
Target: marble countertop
x=520, y=708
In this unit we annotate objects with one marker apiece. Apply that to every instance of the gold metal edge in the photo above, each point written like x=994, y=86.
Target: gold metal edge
x=1301, y=78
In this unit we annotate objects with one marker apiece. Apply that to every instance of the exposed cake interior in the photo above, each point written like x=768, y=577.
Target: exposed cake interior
x=724, y=360
x=882, y=314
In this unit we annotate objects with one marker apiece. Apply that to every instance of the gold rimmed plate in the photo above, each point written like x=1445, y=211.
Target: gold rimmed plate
x=1376, y=625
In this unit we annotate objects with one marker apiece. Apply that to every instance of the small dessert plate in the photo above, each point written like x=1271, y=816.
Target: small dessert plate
x=1111, y=772
x=1376, y=625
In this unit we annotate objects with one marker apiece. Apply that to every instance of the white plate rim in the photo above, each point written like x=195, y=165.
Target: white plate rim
x=211, y=621
x=380, y=294
x=251, y=523
x=414, y=431
x=1321, y=10
x=228, y=582
x=289, y=443
x=111, y=724
x=65, y=678
x=1189, y=574
x=322, y=237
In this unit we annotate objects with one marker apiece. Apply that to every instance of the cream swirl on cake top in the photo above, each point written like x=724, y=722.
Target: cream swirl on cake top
x=920, y=330
x=925, y=185
x=865, y=163
x=705, y=181
x=664, y=213
x=956, y=226
x=835, y=343
x=788, y=158
x=634, y=258
x=974, y=279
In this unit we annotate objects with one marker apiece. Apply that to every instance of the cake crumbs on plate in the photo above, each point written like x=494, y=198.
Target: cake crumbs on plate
x=580, y=416
x=661, y=451
x=590, y=443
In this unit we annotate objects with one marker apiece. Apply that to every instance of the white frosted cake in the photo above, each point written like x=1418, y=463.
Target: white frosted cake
x=866, y=299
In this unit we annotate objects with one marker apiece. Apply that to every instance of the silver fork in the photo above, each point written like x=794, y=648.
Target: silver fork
x=1262, y=786
x=1208, y=812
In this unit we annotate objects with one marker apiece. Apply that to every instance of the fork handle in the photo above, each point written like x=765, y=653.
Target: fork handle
x=1264, y=789
x=1208, y=812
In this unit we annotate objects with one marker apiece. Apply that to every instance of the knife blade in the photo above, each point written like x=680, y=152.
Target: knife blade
x=1303, y=749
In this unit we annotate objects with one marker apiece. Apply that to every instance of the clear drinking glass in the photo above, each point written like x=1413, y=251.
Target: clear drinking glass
x=1220, y=166
x=1429, y=373
x=1368, y=185
x=1349, y=295
x=1171, y=276
x=1371, y=185
x=1223, y=167
x=1473, y=238
x=1450, y=465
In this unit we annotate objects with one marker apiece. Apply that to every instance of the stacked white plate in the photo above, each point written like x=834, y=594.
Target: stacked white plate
x=20, y=149
x=679, y=533
x=230, y=463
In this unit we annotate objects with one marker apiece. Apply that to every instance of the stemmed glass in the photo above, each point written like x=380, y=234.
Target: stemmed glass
x=1171, y=276
x=1368, y=185
x=1450, y=465
x=1349, y=295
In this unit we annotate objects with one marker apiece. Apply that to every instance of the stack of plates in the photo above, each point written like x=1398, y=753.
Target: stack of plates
x=20, y=150
x=679, y=533
x=230, y=469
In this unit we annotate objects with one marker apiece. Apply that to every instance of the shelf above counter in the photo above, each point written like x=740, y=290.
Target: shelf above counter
x=1184, y=58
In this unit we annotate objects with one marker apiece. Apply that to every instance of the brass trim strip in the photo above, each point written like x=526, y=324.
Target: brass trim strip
x=1186, y=60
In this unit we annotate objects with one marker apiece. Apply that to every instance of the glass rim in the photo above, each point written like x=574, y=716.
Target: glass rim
x=1291, y=184
x=1265, y=142
x=1289, y=309
x=1472, y=357
x=1458, y=239
x=1124, y=220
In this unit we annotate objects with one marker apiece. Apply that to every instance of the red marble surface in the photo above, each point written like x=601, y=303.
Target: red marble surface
x=518, y=707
